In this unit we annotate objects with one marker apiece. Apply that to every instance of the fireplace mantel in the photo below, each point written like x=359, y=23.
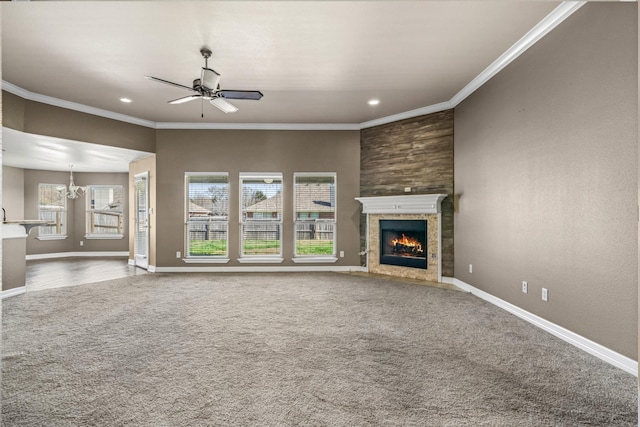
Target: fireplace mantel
x=414, y=204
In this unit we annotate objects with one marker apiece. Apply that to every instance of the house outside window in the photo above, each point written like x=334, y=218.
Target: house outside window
x=315, y=214
x=52, y=207
x=207, y=215
x=104, y=214
x=261, y=215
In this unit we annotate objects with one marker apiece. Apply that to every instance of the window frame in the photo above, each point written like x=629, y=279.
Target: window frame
x=62, y=234
x=208, y=258
x=261, y=258
x=296, y=220
x=89, y=211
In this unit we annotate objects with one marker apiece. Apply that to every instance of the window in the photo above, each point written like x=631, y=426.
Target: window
x=261, y=214
x=207, y=213
x=52, y=207
x=315, y=214
x=105, y=204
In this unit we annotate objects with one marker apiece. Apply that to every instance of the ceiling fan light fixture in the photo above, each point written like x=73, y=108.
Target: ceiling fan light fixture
x=223, y=105
x=209, y=79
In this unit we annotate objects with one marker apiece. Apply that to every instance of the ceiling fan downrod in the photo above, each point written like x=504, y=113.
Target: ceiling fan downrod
x=206, y=54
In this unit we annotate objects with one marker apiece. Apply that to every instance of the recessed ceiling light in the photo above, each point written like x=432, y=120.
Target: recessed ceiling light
x=125, y=100
x=374, y=101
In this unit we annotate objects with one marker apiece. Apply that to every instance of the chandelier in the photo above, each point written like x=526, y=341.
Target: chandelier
x=74, y=191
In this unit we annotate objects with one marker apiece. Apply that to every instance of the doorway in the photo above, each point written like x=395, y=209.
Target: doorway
x=141, y=238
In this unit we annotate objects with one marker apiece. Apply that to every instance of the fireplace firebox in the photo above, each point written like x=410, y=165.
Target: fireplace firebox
x=403, y=243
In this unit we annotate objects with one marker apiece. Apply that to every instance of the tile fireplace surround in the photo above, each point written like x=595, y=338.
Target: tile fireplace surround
x=425, y=207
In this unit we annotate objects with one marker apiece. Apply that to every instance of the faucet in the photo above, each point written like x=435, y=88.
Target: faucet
x=4, y=215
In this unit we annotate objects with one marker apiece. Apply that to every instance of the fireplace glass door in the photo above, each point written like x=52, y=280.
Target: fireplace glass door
x=403, y=243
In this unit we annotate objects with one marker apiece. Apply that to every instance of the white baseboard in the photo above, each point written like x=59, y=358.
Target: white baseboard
x=77, y=254
x=13, y=292
x=591, y=347
x=256, y=269
x=448, y=280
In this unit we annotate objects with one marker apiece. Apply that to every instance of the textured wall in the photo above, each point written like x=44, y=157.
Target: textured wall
x=416, y=153
x=546, y=173
x=235, y=151
x=13, y=192
x=43, y=119
x=12, y=111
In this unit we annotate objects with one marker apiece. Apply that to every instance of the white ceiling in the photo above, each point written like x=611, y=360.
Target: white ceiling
x=316, y=62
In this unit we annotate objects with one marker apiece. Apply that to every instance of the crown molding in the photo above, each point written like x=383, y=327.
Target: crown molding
x=552, y=20
x=259, y=126
x=429, y=109
x=557, y=16
x=45, y=99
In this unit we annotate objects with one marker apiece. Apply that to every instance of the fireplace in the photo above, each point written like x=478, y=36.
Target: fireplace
x=403, y=243
x=419, y=218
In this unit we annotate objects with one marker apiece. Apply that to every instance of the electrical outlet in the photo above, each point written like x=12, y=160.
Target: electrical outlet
x=81, y=242
x=525, y=287
x=545, y=294
x=341, y=254
x=470, y=268
x=407, y=189
x=178, y=254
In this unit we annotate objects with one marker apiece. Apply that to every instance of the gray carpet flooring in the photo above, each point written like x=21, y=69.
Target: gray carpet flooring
x=310, y=349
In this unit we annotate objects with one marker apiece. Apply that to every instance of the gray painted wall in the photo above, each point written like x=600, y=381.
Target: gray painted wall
x=546, y=161
x=180, y=151
x=13, y=192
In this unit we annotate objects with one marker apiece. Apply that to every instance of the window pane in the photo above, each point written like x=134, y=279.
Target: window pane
x=261, y=238
x=52, y=207
x=315, y=213
x=262, y=199
x=315, y=197
x=207, y=238
x=207, y=214
x=208, y=196
x=105, y=210
x=314, y=238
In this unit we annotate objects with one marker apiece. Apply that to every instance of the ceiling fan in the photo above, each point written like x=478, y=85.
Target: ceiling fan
x=208, y=87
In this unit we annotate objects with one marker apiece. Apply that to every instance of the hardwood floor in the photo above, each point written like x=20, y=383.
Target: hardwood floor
x=56, y=273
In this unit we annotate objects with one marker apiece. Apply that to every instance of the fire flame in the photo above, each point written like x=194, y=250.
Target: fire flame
x=408, y=243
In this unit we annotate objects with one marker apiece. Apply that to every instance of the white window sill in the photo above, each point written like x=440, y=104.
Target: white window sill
x=51, y=237
x=314, y=259
x=205, y=260
x=103, y=236
x=260, y=260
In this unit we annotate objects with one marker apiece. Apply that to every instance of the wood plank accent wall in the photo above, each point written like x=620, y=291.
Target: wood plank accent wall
x=416, y=153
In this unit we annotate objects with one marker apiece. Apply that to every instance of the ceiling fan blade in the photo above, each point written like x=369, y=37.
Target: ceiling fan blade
x=223, y=105
x=209, y=79
x=155, y=79
x=241, y=94
x=184, y=99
